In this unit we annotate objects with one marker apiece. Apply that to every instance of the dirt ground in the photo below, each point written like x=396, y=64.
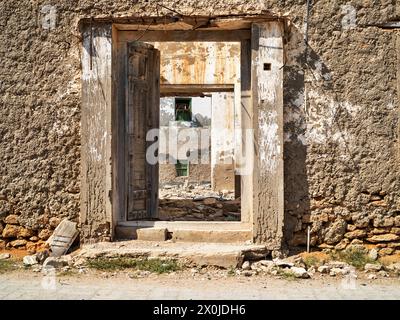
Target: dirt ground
x=190, y=284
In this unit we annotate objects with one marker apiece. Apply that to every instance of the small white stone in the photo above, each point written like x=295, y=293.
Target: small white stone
x=300, y=272
x=372, y=276
x=246, y=265
x=372, y=267
x=323, y=269
x=373, y=254
x=30, y=260
x=4, y=256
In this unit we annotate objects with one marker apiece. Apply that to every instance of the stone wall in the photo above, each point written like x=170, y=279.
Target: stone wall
x=341, y=113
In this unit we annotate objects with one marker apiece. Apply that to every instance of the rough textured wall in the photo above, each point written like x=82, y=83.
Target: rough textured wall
x=341, y=150
x=341, y=131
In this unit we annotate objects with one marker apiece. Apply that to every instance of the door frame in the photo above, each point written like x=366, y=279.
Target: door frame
x=260, y=99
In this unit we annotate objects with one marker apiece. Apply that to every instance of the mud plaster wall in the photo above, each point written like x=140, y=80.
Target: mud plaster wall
x=341, y=149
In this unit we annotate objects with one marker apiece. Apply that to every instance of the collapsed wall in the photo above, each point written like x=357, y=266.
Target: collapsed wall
x=340, y=110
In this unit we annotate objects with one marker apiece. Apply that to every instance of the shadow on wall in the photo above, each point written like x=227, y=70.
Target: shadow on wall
x=296, y=182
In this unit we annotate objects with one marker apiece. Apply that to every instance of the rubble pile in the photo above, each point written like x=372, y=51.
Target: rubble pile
x=197, y=203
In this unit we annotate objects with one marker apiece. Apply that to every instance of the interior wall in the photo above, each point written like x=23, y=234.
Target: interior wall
x=223, y=141
x=195, y=62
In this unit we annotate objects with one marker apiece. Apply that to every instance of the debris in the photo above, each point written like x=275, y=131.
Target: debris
x=373, y=254
x=323, y=269
x=30, y=260
x=283, y=263
x=300, y=272
x=56, y=262
x=246, y=265
x=197, y=203
x=4, y=256
x=372, y=267
x=41, y=256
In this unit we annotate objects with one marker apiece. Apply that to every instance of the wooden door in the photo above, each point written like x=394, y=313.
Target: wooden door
x=142, y=114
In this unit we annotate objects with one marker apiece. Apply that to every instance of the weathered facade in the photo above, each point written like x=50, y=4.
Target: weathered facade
x=326, y=148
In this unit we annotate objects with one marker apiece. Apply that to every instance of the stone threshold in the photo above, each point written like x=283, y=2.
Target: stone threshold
x=223, y=255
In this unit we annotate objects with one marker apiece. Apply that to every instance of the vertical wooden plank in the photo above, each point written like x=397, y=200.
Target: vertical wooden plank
x=267, y=86
x=118, y=141
x=154, y=110
x=96, y=111
x=246, y=156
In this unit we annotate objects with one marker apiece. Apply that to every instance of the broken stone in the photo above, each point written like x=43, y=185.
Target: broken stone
x=383, y=238
x=383, y=273
x=283, y=264
x=55, y=262
x=246, y=265
x=5, y=256
x=11, y=219
x=393, y=267
x=372, y=267
x=10, y=231
x=338, y=264
x=300, y=272
x=323, y=269
x=42, y=256
x=18, y=243
x=373, y=254
x=267, y=263
x=372, y=276
x=397, y=221
x=30, y=260
x=79, y=262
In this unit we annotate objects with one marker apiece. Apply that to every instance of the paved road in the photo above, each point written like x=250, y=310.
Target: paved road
x=38, y=286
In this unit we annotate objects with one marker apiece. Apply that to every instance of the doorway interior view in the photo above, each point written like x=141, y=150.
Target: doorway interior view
x=188, y=85
x=197, y=179
x=196, y=169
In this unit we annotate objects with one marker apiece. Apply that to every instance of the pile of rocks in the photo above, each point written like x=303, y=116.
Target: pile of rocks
x=15, y=235
x=297, y=268
x=43, y=261
x=197, y=203
x=337, y=229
